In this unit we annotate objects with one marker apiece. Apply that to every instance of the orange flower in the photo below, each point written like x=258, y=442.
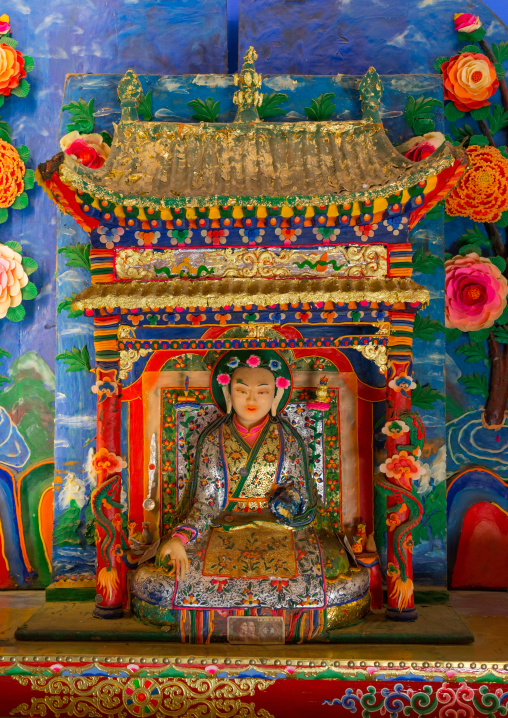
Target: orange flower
x=482, y=193
x=12, y=279
x=12, y=68
x=12, y=171
x=469, y=80
x=107, y=462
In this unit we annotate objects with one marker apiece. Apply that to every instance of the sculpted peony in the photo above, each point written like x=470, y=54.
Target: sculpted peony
x=12, y=68
x=5, y=26
x=12, y=171
x=12, y=279
x=90, y=150
x=465, y=22
x=403, y=468
x=482, y=193
x=475, y=293
x=107, y=462
x=418, y=148
x=469, y=80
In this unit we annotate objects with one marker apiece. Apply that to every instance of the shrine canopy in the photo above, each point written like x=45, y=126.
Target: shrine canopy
x=180, y=201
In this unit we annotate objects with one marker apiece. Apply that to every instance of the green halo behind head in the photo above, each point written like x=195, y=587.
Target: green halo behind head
x=267, y=359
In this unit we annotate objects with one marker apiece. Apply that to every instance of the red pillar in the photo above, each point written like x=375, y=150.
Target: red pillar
x=402, y=508
x=106, y=497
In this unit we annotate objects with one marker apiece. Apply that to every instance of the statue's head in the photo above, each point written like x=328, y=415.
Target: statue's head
x=252, y=383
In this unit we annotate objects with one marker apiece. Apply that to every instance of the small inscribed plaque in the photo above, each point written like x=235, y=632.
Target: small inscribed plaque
x=256, y=629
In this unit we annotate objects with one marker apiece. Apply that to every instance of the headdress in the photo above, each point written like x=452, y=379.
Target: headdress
x=255, y=359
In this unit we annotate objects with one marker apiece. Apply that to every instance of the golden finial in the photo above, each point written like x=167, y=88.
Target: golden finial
x=322, y=390
x=248, y=97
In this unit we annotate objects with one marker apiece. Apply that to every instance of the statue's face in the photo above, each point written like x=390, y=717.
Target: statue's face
x=252, y=394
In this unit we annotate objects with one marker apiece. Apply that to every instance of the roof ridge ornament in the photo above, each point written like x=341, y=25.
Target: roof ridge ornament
x=130, y=93
x=371, y=90
x=248, y=97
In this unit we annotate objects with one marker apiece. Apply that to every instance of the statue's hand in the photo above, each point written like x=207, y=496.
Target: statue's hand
x=175, y=549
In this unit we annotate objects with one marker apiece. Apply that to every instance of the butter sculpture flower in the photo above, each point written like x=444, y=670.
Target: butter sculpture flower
x=12, y=68
x=12, y=171
x=482, y=193
x=418, y=148
x=107, y=462
x=475, y=293
x=465, y=22
x=90, y=150
x=403, y=467
x=12, y=279
x=469, y=80
x=5, y=26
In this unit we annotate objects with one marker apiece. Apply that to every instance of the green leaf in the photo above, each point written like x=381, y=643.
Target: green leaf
x=469, y=48
x=439, y=63
x=4, y=353
x=4, y=380
x=4, y=135
x=78, y=255
x=21, y=201
x=76, y=360
x=106, y=137
x=500, y=51
x=504, y=150
x=422, y=125
x=462, y=133
x=269, y=106
x=22, y=89
x=500, y=71
x=474, y=236
x=500, y=334
x=145, y=106
x=82, y=116
x=499, y=262
x=479, y=141
x=503, y=220
x=452, y=334
x=418, y=113
x=498, y=120
x=425, y=397
x=426, y=262
x=207, y=111
x=452, y=113
x=475, y=384
x=426, y=328
x=481, y=113
x=29, y=63
x=4, y=214
x=474, y=352
x=15, y=246
x=29, y=179
x=23, y=152
x=480, y=336
x=5, y=126
x=503, y=319
x=10, y=41
x=321, y=108
x=29, y=291
x=476, y=35
x=29, y=265
x=16, y=314
x=66, y=306
x=468, y=248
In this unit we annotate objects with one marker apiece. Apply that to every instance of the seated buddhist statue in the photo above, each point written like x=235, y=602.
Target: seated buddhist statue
x=252, y=531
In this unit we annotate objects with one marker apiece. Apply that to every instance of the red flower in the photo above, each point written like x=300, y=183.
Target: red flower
x=12, y=68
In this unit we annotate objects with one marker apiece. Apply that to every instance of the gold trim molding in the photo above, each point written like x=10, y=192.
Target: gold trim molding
x=376, y=353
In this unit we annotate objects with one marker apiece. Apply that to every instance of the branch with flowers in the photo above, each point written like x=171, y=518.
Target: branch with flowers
x=476, y=286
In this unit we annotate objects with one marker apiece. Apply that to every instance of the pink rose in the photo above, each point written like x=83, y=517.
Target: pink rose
x=223, y=379
x=253, y=361
x=465, y=22
x=419, y=152
x=90, y=150
x=475, y=293
x=282, y=383
x=5, y=26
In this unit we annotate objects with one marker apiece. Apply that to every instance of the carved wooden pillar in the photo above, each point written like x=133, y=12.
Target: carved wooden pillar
x=403, y=445
x=108, y=463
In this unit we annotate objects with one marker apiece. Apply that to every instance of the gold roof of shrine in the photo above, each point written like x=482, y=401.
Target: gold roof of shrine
x=251, y=162
x=245, y=292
